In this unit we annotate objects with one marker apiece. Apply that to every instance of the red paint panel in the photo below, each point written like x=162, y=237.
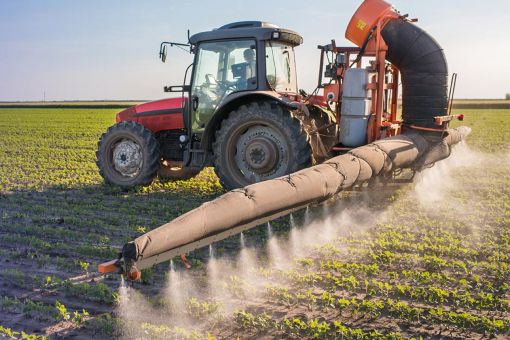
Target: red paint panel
x=163, y=104
x=173, y=121
x=126, y=115
x=155, y=115
x=159, y=122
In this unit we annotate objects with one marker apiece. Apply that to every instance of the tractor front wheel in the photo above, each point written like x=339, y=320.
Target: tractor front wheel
x=128, y=155
x=259, y=141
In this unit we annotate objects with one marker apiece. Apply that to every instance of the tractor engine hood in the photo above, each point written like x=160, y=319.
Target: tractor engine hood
x=158, y=115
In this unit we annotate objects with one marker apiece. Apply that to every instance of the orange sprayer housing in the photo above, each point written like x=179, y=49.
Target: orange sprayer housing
x=134, y=275
x=108, y=267
x=366, y=17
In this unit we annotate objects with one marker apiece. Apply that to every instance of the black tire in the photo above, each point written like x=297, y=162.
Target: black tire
x=144, y=158
x=323, y=133
x=174, y=171
x=271, y=143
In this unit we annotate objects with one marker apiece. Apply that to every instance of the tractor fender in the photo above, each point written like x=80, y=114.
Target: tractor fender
x=235, y=100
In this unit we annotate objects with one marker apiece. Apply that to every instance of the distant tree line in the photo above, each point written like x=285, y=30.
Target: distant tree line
x=507, y=97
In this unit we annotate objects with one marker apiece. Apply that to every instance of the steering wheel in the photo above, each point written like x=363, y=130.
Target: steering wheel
x=226, y=88
x=219, y=88
x=210, y=80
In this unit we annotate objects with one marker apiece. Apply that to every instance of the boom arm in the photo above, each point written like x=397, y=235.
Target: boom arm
x=265, y=201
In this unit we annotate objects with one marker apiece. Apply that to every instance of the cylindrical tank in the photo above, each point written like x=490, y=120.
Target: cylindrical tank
x=356, y=108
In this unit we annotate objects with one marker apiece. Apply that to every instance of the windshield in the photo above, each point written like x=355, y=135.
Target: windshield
x=281, y=67
x=222, y=67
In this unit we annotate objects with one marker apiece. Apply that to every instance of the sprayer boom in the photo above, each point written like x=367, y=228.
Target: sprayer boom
x=361, y=105
x=266, y=201
x=117, y=266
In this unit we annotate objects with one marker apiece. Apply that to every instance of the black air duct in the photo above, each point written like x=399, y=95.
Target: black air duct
x=424, y=70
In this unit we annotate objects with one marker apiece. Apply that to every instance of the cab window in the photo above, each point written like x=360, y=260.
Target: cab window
x=221, y=68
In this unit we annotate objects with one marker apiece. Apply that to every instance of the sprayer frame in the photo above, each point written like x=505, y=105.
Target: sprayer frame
x=381, y=123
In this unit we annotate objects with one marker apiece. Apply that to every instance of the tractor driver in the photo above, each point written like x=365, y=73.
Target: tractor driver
x=251, y=68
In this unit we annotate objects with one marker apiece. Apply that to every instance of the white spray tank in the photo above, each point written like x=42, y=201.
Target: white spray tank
x=356, y=107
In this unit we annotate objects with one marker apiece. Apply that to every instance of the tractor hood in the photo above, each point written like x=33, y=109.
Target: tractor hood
x=158, y=115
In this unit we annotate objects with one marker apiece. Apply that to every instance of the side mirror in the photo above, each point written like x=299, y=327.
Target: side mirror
x=164, y=45
x=162, y=53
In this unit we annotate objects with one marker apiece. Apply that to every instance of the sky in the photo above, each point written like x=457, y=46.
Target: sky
x=108, y=50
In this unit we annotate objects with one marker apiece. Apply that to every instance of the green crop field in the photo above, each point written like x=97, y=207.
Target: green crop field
x=427, y=259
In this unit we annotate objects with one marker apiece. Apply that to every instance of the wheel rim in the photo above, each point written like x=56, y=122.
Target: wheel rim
x=259, y=153
x=127, y=158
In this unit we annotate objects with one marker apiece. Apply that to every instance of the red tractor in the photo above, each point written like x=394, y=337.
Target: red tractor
x=241, y=113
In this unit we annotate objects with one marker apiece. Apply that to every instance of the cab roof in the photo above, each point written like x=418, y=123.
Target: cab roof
x=258, y=30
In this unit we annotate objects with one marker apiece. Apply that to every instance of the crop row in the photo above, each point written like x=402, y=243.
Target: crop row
x=153, y=331
x=41, y=311
x=395, y=308
x=35, y=243
x=373, y=287
x=496, y=268
x=98, y=292
x=8, y=333
x=296, y=327
x=423, y=277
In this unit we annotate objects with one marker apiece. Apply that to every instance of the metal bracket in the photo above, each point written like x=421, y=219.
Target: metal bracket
x=440, y=120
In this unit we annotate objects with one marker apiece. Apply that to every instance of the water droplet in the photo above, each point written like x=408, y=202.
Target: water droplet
x=325, y=210
x=292, y=221
x=269, y=230
x=307, y=216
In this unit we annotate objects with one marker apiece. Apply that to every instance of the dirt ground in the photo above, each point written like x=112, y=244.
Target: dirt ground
x=447, y=266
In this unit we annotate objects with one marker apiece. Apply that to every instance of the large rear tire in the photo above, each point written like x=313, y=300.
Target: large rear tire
x=259, y=141
x=128, y=155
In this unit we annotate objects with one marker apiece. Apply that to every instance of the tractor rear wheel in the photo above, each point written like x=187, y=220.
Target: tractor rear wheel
x=128, y=155
x=259, y=141
x=174, y=171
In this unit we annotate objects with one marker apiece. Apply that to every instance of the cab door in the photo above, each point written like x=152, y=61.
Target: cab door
x=221, y=68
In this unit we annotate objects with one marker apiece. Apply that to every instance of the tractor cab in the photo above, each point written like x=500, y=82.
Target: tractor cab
x=238, y=58
x=222, y=68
